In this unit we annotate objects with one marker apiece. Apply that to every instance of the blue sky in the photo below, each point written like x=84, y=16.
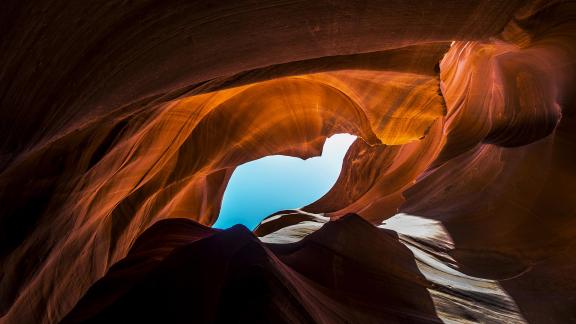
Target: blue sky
x=262, y=187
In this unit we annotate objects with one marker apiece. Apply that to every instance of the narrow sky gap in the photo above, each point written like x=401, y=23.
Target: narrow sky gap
x=267, y=185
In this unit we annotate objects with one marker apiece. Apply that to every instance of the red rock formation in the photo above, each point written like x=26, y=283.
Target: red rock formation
x=117, y=115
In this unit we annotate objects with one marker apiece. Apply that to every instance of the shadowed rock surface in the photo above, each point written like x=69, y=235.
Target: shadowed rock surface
x=230, y=276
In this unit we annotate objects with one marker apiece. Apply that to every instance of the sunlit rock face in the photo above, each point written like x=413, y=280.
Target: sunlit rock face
x=122, y=123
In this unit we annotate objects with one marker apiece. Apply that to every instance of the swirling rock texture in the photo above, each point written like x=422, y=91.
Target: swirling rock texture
x=122, y=122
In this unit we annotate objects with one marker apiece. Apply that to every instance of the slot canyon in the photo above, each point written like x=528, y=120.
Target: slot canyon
x=123, y=121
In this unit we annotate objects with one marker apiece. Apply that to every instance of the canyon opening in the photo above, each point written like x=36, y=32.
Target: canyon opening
x=260, y=188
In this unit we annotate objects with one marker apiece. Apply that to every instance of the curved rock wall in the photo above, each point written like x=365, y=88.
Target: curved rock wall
x=118, y=114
